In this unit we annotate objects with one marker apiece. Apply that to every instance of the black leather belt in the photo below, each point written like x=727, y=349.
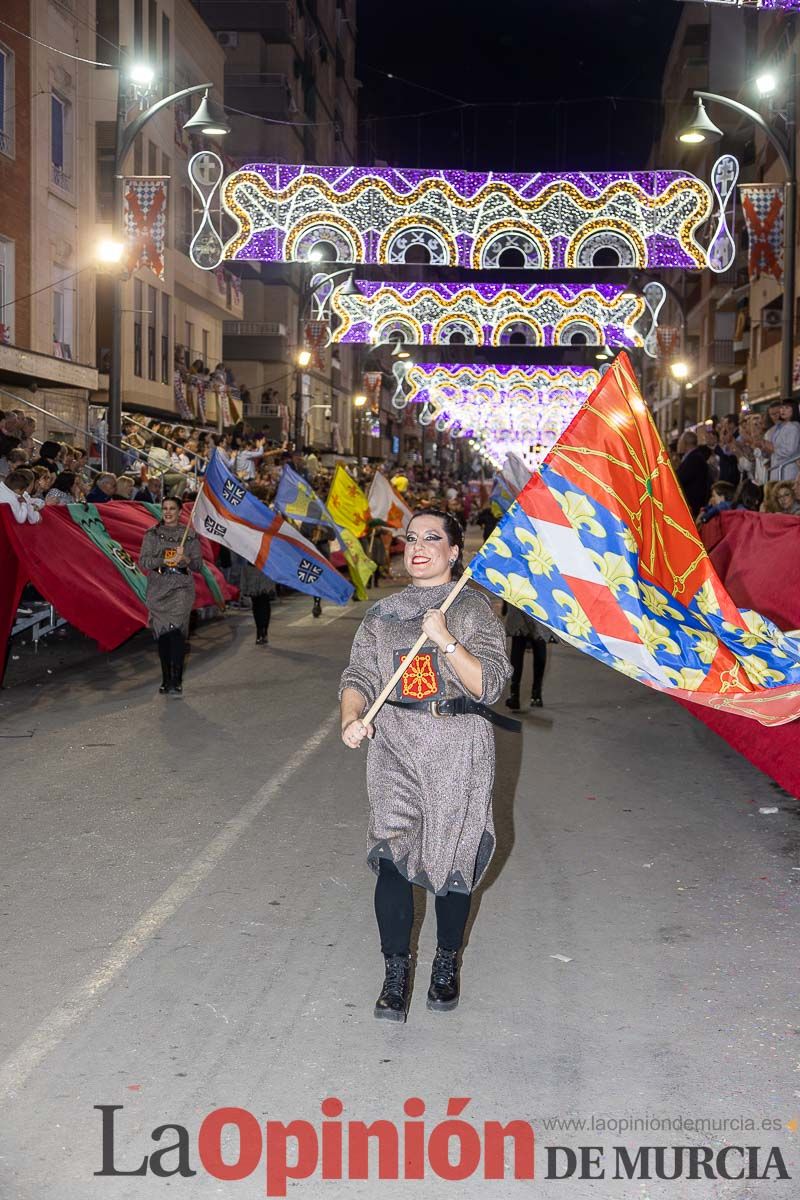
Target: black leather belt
x=456, y=707
x=172, y=570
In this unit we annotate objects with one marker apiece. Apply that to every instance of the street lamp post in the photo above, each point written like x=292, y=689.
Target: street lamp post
x=307, y=294
x=703, y=129
x=359, y=402
x=126, y=136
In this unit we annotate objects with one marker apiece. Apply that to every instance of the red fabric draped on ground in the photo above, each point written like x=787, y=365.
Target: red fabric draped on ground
x=66, y=568
x=757, y=556
x=128, y=522
x=70, y=572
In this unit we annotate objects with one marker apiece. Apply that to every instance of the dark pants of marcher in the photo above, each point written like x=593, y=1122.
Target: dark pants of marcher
x=171, y=649
x=262, y=611
x=394, y=908
x=517, y=658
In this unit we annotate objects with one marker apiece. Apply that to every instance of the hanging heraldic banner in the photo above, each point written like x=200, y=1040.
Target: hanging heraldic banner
x=144, y=221
x=762, y=205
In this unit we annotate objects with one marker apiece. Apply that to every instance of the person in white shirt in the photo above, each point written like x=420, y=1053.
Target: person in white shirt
x=246, y=459
x=784, y=438
x=14, y=492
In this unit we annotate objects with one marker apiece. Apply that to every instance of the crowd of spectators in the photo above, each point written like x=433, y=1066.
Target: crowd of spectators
x=750, y=462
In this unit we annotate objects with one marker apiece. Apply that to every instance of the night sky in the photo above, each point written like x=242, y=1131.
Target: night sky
x=535, y=76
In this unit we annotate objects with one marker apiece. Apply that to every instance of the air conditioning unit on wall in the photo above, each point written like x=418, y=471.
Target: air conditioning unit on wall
x=772, y=318
x=228, y=39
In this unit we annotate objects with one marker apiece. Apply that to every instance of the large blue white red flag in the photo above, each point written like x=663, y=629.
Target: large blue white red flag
x=601, y=547
x=228, y=513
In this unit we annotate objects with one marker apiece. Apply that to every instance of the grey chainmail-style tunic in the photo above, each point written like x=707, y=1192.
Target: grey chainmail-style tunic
x=169, y=598
x=429, y=778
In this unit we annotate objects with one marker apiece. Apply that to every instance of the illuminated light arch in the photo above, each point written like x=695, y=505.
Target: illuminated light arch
x=488, y=309
x=444, y=328
x=615, y=235
x=478, y=215
x=312, y=231
x=506, y=407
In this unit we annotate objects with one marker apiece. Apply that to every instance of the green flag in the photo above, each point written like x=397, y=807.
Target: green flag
x=88, y=518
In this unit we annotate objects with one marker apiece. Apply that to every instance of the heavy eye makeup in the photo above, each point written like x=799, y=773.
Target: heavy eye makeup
x=430, y=536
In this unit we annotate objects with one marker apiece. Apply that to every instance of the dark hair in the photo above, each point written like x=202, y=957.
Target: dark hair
x=49, y=449
x=724, y=489
x=22, y=478
x=454, y=530
x=751, y=495
x=65, y=482
x=170, y=500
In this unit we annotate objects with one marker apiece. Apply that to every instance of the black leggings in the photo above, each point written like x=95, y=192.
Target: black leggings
x=394, y=908
x=517, y=657
x=171, y=648
x=262, y=611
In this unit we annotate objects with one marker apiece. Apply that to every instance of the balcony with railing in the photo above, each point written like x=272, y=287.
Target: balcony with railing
x=275, y=20
x=61, y=178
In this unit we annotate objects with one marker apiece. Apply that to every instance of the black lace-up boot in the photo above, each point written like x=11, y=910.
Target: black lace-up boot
x=392, y=1004
x=443, y=992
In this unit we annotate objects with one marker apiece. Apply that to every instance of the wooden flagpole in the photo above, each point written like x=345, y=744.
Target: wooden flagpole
x=415, y=649
x=189, y=523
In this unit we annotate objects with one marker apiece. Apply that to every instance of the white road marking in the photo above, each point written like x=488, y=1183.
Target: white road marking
x=16, y=1069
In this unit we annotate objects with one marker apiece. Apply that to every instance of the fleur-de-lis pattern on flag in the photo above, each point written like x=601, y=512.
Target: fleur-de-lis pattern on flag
x=601, y=547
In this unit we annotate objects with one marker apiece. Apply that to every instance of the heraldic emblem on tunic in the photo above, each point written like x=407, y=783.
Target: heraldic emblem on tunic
x=420, y=680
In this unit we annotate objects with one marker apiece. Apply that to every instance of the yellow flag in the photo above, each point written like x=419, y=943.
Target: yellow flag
x=359, y=564
x=347, y=504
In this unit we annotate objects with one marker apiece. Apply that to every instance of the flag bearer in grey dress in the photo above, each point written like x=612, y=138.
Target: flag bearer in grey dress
x=170, y=590
x=430, y=762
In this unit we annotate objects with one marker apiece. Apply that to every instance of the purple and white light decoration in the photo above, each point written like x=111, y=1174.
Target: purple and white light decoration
x=771, y=5
x=501, y=408
x=479, y=220
x=487, y=314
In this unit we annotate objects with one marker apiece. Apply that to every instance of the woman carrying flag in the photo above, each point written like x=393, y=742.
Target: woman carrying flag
x=168, y=556
x=429, y=779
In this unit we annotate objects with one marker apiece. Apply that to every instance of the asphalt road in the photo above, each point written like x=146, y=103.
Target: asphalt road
x=187, y=924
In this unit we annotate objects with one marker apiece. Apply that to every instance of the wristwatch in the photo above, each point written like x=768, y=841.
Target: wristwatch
x=450, y=647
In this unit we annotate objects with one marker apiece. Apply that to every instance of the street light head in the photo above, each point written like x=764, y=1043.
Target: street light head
x=350, y=287
x=304, y=358
x=766, y=83
x=209, y=119
x=603, y=353
x=700, y=129
x=680, y=370
x=109, y=252
x=359, y=401
x=142, y=74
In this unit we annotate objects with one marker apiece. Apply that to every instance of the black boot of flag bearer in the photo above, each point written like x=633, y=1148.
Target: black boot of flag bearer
x=317, y=609
x=392, y=1004
x=177, y=650
x=443, y=992
x=164, y=653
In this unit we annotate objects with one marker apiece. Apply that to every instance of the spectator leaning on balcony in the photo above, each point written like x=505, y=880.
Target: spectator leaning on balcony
x=784, y=439
x=150, y=492
x=15, y=492
x=104, y=488
x=65, y=489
